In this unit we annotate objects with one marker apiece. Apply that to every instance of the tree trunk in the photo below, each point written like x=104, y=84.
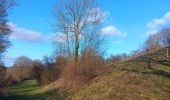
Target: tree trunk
x=76, y=50
x=68, y=46
x=167, y=52
x=148, y=59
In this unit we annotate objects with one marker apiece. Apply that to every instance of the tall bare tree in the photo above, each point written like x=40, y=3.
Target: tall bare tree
x=5, y=31
x=80, y=21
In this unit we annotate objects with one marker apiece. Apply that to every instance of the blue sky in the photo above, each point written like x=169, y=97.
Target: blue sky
x=127, y=24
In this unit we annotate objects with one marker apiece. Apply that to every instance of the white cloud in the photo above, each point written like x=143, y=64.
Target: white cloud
x=155, y=24
x=58, y=37
x=112, y=30
x=19, y=33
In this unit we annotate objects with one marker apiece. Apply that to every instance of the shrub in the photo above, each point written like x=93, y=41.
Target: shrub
x=82, y=72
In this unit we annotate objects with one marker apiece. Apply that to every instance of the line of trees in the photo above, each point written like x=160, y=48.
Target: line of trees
x=45, y=71
x=159, y=39
x=5, y=6
x=153, y=42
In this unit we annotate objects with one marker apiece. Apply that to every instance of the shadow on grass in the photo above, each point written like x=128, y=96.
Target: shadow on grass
x=159, y=72
x=24, y=86
x=52, y=95
x=24, y=91
x=152, y=71
x=165, y=63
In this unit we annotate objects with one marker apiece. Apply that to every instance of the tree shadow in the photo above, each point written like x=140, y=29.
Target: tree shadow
x=24, y=86
x=52, y=95
x=24, y=91
x=152, y=71
x=164, y=62
x=159, y=72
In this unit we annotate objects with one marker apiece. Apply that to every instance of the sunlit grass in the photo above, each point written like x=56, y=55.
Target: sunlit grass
x=24, y=87
x=26, y=91
x=130, y=80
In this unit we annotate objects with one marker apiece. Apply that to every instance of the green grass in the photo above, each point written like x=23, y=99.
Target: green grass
x=26, y=91
x=24, y=87
x=129, y=80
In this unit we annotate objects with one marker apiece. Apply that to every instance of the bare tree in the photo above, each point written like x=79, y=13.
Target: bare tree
x=165, y=39
x=165, y=35
x=153, y=42
x=5, y=31
x=24, y=67
x=80, y=21
x=148, y=59
x=117, y=58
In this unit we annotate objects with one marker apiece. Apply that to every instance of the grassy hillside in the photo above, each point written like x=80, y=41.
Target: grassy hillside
x=130, y=80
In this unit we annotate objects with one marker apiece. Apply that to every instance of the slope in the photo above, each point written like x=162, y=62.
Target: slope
x=132, y=80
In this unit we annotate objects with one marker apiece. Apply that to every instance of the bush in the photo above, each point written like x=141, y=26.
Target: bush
x=52, y=71
x=10, y=80
x=83, y=71
x=87, y=67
